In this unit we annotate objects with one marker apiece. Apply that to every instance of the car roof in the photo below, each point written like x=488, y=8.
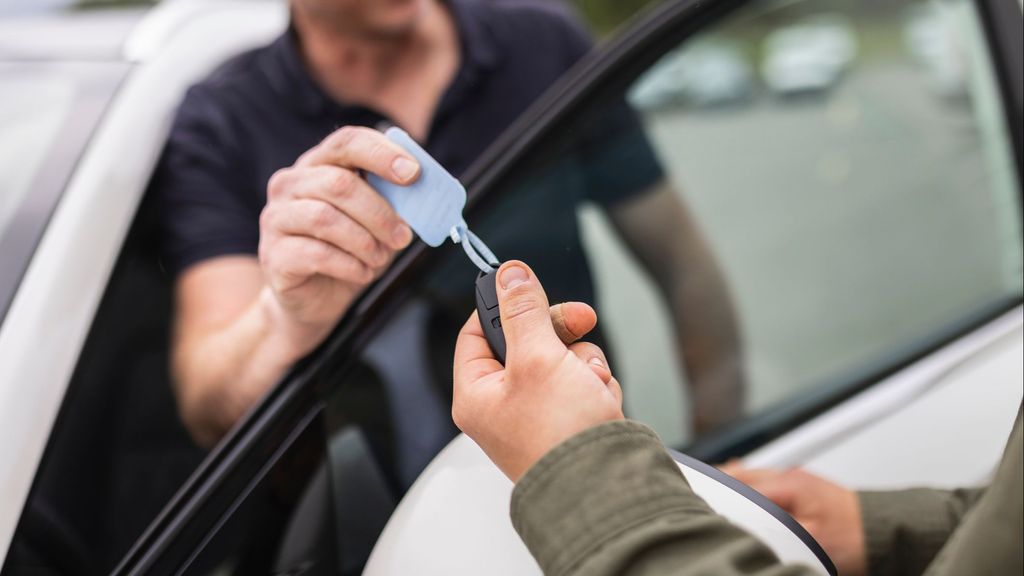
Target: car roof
x=131, y=34
x=75, y=35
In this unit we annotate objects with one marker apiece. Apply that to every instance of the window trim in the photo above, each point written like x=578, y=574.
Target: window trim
x=653, y=32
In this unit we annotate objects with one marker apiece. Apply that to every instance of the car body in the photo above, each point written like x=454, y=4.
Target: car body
x=83, y=298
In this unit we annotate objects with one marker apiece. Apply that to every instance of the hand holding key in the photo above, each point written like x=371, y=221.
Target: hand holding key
x=325, y=234
x=549, y=389
x=433, y=208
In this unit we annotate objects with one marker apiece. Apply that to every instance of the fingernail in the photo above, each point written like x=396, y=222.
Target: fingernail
x=513, y=276
x=404, y=168
x=402, y=235
x=597, y=362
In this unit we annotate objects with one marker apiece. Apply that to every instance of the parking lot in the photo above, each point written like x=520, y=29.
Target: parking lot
x=805, y=229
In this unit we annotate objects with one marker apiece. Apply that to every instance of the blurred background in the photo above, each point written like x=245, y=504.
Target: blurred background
x=602, y=15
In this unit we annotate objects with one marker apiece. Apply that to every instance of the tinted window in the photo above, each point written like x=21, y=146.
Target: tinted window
x=803, y=197
x=849, y=165
x=767, y=217
x=47, y=111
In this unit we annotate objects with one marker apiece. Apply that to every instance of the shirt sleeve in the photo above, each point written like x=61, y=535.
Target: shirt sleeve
x=205, y=208
x=611, y=501
x=617, y=159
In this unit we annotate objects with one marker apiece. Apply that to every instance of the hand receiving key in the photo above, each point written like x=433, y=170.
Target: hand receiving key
x=551, y=388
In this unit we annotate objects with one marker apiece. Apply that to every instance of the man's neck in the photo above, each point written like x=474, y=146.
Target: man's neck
x=353, y=66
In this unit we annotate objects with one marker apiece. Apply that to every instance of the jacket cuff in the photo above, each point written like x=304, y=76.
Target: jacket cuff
x=905, y=529
x=594, y=487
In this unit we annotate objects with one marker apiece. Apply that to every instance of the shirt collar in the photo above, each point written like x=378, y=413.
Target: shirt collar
x=289, y=77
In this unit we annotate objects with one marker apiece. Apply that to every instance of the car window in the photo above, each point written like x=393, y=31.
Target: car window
x=47, y=111
x=33, y=108
x=849, y=165
x=768, y=216
x=796, y=201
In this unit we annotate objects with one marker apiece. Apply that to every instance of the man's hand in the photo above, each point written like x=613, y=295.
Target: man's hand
x=325, y=233
x=550, y=388
x=828, y=511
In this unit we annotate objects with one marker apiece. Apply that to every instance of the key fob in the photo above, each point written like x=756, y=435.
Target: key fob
x=490, y=316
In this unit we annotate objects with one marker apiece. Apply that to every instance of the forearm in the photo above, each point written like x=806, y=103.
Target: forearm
x=708, y=337
x=221, y=372
x=610, y=501
x=665, y=238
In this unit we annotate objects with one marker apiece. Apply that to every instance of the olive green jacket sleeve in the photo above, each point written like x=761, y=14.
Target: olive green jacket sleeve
x=612, y=501
x=905, y=529
x=940, y=532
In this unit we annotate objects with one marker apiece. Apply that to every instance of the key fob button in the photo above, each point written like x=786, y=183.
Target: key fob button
x=487, y=291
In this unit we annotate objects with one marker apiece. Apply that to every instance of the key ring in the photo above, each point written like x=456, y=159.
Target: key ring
x=476, y=250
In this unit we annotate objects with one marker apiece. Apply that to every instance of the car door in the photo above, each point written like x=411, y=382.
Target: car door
x=775, y=207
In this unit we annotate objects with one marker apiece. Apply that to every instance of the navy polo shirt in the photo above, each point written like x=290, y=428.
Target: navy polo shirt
x=261, y=110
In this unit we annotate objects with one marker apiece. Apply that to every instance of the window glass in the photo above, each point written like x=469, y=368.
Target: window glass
x=849, y=166
x=32, y=109
x=47, y=111
x=799, y=199
x=802, y=197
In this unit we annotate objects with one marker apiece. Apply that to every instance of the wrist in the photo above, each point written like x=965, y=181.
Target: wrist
x=286, y=338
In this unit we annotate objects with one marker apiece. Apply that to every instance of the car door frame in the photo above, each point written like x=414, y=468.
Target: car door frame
x=294, y=404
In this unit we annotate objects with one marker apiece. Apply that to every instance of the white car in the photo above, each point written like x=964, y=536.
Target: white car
x=873, y=255
x=810, y=56
x=931, y=35
x=708, y=74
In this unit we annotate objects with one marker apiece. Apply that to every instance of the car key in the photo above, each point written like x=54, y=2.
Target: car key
x=489, y=313
x=432, y=206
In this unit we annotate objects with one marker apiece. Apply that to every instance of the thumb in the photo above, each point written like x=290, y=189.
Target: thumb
x=525, y=317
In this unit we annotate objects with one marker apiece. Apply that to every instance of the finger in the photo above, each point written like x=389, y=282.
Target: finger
x=732, y=467
x=360, y=148
x=473, y=356
x=321, y=220
x=779, y=492
x=774, y=485
x=350, y=194
x=594, y=358
x=752, y=476
x=572, y=320
x=615, y=389
x=525, y=315
x=300, y=257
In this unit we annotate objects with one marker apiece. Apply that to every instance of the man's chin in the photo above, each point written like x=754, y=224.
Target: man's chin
x=397, y=20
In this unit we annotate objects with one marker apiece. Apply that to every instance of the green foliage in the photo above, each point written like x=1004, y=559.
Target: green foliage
x=87, y=4
x=606, y=15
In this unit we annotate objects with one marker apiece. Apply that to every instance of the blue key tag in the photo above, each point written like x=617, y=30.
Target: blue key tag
x=432, y=205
